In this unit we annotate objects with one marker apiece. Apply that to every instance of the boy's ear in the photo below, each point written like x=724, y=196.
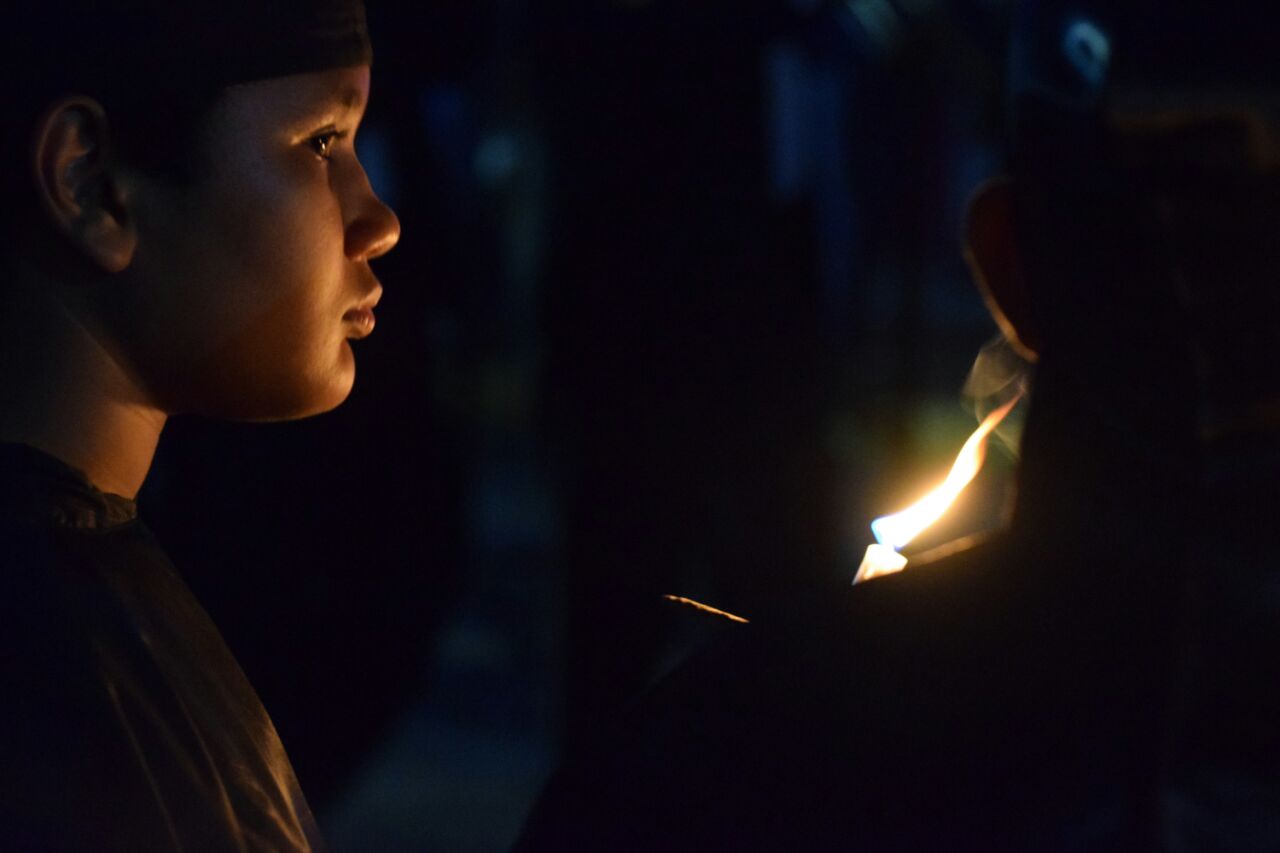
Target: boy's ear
x=78, y=183
x=991, y=248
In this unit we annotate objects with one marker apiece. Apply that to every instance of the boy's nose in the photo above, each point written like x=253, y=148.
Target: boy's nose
x=374, y=233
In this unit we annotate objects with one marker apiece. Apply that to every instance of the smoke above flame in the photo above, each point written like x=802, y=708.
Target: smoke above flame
x=900, y=528
x=999, y=374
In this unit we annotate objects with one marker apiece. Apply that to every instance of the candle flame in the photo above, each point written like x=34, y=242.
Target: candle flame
x=898, y=529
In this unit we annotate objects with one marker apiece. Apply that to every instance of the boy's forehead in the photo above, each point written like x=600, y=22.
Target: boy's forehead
x=179, y=44
x=302, y=98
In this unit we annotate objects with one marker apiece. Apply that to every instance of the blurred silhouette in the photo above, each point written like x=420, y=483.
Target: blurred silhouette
x=1098, y=676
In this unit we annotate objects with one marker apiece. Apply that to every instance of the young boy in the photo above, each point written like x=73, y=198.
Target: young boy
x=187, y=229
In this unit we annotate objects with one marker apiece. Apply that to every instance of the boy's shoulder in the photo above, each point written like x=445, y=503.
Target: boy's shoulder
x=125, y=723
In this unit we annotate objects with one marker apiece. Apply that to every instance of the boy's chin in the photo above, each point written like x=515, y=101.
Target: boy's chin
x=300, y=409
x=293, y=404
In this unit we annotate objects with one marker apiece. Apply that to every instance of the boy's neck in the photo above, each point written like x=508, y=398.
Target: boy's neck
x=62, y=392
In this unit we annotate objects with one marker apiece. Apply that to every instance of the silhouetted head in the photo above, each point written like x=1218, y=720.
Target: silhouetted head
x=1137, y=241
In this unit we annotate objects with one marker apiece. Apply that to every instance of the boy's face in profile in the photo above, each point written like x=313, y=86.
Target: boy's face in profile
x=248, y=283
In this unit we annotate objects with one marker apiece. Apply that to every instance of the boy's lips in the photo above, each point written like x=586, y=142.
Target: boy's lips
x=362, y=317
x=362, y=320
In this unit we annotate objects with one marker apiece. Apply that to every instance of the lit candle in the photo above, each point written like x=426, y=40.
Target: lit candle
x=895, y=531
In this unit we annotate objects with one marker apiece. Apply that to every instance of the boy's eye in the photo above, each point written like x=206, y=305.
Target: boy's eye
x=322, y=143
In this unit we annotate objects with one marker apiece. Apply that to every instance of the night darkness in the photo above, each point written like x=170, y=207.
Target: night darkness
x=678, y=308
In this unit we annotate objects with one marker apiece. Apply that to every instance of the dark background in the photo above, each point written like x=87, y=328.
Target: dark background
x=679, y=308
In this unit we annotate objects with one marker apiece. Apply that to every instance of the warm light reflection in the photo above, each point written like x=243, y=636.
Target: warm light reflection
x=900, y=528
x=879, y=560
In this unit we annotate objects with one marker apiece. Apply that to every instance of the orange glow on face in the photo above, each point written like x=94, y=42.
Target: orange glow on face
x=896, y=530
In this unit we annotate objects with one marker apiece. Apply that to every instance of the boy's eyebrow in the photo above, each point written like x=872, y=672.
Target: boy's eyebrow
x=326, y=102
x=351, y=98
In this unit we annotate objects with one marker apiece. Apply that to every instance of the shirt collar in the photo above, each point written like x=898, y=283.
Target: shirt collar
x=35, y=486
